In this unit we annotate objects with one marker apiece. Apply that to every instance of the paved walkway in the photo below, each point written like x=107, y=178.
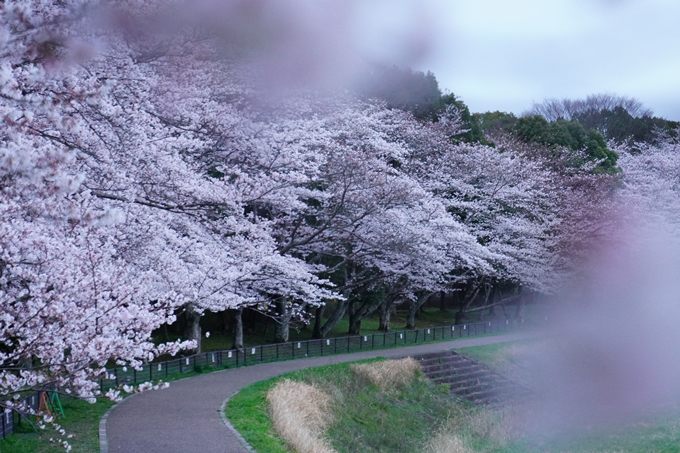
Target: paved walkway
x=185, y=417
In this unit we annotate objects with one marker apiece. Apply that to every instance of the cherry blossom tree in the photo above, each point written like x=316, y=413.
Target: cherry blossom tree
x=357, y=214
x=109, y=219
x=650, y=185
x=69, y=303
x=508, y=201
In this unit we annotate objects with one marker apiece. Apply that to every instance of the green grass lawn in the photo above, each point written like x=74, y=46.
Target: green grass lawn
x=81, y=420
x=500, y=356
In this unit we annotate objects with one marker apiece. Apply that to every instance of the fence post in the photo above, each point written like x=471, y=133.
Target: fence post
x=261, y=354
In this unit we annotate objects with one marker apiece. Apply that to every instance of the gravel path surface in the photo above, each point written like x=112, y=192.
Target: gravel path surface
x=185, y=417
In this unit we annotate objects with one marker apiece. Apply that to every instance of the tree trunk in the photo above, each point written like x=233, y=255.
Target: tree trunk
x=459, y=316
x=354, y=324
x=461, y=306
x=521, y=305
x=318, y=321
x=442, y=301
x=505, y=313
x=357, y=313
x=192, y=329
x=385, y=315
x=488, y=292
x=411, y=317
x=282, y=330
x=413, y=308
x=496, y=297
x=470, y=293
x=283, y=325
x=334, y=318
x=238, y=328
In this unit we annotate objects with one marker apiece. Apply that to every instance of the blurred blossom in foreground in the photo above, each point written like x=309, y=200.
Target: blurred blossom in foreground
x=613, y=354
x=315, y=44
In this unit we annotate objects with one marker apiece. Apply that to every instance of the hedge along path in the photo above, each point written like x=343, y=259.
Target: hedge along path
x=186, y=416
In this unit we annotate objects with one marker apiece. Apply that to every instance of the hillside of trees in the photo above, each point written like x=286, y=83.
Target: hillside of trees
x=147, y=179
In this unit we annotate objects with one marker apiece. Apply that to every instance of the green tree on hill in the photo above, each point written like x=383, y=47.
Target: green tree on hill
x=571, y=135
x=417, y=92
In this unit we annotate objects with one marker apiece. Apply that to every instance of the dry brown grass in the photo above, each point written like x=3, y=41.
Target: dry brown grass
x=301, y=413
x=388, y=374
x=446, y=442
x=501, y=426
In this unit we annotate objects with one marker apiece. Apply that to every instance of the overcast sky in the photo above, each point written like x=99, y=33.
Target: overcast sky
x=505, y=54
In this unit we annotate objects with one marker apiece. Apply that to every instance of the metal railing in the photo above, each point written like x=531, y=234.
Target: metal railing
x=12, y=418
x=233, y=358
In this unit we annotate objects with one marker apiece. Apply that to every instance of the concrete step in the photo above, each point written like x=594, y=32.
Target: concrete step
x=472, y=374
x=442, y=360
x=470, y=379
x=449, y=370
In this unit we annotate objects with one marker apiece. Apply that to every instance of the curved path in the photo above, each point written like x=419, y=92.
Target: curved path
x=185, y=417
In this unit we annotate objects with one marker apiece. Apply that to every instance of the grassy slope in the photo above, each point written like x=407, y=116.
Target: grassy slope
x=367, y=419
x=371, y=421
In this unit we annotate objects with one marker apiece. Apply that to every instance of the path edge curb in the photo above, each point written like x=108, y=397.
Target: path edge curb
x=228, y=424
x=103, y=440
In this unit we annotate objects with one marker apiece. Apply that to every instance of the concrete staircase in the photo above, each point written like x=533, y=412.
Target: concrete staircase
x=470, y=379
